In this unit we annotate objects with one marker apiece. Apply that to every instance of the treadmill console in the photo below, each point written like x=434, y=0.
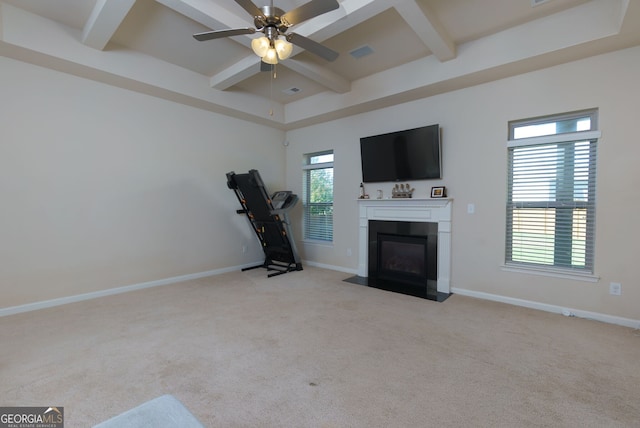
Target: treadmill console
x=281, y=199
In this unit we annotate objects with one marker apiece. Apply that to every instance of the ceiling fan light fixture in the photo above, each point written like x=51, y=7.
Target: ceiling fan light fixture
x=283, y=48
x=273, y=22
x=271, y=57
x=260, y=46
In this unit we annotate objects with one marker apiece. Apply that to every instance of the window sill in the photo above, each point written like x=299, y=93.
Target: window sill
x=555, y=273
x=317, y=242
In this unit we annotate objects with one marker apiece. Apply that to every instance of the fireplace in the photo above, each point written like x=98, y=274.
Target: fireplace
x=403, y=257
x=417, y=234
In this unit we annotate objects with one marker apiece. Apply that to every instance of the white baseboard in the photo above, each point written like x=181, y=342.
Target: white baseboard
x=330, y=267
x=610, y=319
x=626, y=322
x=111, y=291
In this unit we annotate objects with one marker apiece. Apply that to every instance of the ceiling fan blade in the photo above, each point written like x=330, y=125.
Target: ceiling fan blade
x=307, y=11
x=250, y=7
x=217, y=34
x=313, y=47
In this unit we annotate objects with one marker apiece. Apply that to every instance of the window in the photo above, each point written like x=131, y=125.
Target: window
x=551, y=192
x=318, y=196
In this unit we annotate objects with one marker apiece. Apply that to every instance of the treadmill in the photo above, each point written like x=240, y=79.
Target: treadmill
x=269, y=219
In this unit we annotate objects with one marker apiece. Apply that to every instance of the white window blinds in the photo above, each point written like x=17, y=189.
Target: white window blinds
x=551, y=192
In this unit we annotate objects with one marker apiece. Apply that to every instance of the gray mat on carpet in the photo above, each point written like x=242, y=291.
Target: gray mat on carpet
x=162, y=412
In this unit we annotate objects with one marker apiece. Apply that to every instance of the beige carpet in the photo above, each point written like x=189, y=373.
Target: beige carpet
x=306, y=349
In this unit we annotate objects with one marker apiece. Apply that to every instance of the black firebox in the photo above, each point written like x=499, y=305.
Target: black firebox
x=403, y=257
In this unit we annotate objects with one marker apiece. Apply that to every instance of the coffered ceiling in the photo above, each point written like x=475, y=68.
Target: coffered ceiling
x=416, y=48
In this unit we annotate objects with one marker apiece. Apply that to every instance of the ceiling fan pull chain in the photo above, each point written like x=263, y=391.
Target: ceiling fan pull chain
x=273, y=76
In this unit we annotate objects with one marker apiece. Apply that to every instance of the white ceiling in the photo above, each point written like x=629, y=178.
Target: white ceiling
x=420, y=48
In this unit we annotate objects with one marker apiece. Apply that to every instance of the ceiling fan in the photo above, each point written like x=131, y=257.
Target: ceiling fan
x=274, y=22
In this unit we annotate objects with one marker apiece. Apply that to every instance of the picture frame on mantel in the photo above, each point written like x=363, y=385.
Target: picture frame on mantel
x=438, y=192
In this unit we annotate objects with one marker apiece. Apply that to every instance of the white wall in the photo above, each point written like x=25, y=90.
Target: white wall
x=474, y=122
x=102, y=187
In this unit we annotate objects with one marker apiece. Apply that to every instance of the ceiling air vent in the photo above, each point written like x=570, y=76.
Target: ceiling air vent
x=535, y=3
x=292, y=91
x=361, y=51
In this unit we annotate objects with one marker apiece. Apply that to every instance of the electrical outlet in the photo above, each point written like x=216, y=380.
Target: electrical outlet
x=244, y=249
x=615, y=288
x=349, y=252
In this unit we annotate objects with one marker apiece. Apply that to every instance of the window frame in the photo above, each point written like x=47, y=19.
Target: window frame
x=307, y=167
x=567, y=140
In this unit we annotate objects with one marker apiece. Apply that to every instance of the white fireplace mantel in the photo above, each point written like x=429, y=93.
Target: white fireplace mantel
x=416, y=210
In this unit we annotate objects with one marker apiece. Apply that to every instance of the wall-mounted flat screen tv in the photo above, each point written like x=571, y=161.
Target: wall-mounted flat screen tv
x=412, y=154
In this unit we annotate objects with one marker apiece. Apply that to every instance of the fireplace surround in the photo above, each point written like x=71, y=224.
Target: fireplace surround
x=409, y=214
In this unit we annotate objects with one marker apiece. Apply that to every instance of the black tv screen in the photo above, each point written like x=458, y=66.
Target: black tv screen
x=413, y=154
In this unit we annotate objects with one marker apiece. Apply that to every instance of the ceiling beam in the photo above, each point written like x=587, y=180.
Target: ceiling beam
x=350, y=14
x=210, y=15
x=321, y=75
x=105, y=19
x=427, y=26
x=43, y=42
x=589, y=29
x=241, y=70
x=203, y=12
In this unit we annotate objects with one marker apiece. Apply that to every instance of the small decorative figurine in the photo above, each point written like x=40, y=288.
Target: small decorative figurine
x=402, y=191
x=363, y=195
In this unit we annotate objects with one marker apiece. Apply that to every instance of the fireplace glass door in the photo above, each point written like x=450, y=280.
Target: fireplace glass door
x=402, y=258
